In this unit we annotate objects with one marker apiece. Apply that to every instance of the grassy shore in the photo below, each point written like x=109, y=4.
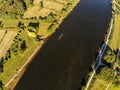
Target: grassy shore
x=115, y=42
x=12, y=66
x=115, y=38
x=99, y=83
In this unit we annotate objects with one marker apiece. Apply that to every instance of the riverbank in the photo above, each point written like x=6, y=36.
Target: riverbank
x=105, y=75
x=11, y=84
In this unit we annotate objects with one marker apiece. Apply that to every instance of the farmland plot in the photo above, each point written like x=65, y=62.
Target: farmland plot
x=2, y=33
x=62, y=1
x=53, y=5
x=37, y=2
x=6, y=42
x=36, y=12
x=31, y=12
x=44, y=12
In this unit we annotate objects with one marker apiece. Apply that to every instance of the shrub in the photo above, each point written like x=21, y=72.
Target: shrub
x=109, y=57
x=52, y=28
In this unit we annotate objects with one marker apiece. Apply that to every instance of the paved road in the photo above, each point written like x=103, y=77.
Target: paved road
x=65, y=59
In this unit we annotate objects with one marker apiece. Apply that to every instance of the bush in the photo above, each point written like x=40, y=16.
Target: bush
x=109, y=57
x=49, y=19
x=1, y=85
x=23, y=45
x=52, y=28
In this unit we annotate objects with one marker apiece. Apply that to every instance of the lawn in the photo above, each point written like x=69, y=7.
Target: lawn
x=112, y=87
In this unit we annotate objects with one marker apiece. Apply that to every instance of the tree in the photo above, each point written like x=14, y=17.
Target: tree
x=52, y=28
x=38, y=38
x=1, y=85
x=41, y=4
x=109, y=57
x=1, y=64
x=23, y=45
x=116, y=63
x=106, y=74
x=8, y=55
x=116, y=84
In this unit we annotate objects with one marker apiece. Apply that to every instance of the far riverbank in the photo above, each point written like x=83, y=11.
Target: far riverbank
x=14, y=80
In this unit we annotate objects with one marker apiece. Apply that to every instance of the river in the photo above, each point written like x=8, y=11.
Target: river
x=64, y=61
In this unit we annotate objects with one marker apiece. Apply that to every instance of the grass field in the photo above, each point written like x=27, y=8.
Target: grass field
x=14, y=64
x=10, y=23
x=116, y=34
x=6, y=42
x=98, y=85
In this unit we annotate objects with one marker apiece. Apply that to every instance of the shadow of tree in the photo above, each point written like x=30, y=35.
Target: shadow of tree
x=34, y=24
x=1, y=64
x=1, y=85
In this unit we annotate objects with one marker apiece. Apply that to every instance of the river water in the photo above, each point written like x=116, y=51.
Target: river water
x=65, y=59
